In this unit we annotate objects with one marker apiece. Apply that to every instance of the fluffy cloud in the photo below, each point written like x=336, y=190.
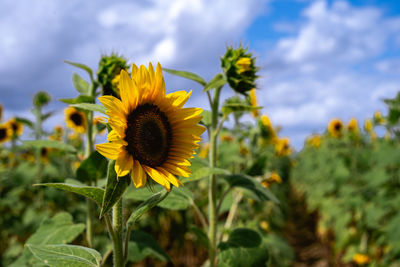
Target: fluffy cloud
x=328, y=68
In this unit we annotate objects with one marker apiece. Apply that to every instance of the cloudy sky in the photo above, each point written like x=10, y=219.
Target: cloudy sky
x=319, y=59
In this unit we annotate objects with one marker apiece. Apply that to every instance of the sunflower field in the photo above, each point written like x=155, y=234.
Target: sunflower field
x=135, y=177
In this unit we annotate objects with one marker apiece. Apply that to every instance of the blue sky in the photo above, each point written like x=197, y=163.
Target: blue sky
x=319, y=59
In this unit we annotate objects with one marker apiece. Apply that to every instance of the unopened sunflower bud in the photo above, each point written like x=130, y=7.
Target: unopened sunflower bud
x=108, y=73
x=240, y=70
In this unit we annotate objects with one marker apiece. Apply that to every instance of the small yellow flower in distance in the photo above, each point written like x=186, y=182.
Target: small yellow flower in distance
x=57, y=133
x=204, y=148
x=254, y=103
x=16, y=127
x=243, y=64
x=368, y=125
x=267, y=131
x=352, y=126
x=335, y=128
x=227, y=138
x=152, y=134
x=273, y=178
x=314, y=140
x=264, y=225
x=378, y=118
x=5, y=133
x=282, y=147
x=75, y=119
x=361, y=259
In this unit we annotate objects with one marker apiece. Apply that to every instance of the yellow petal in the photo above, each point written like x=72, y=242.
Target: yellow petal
x=134, y=71
x=157, y=176
x=171, y=178
x=123, y=164
x=185, y=113
x=128, y=92
x=178, y=170
x=109, y=150
x=138, y=175
x=113, y=104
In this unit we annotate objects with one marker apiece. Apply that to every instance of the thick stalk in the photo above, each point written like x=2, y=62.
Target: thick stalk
x=212, y=192
x=117, y=242
x=89, y=204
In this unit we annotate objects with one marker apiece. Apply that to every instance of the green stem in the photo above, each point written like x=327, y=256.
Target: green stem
x=212, y=192
x=117, y=242
x=89, y=204
x=89, y=222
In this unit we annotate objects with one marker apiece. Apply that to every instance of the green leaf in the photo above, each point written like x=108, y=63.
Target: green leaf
x=58, y=230
x=218, y=81
x=91, y=107
x=146, y=206
x=78, y=100
x=92, y=168
x=187, y=75
x=144, y=245
x=80, y=84
x=247, y=182
x=50, y=144
x=25, y=121
x=203, y=172
x=236, y=107
x=115, y=188
x=242, y=249
x=206, y=120
x=202, y=237
x=47, y=115
x=94, y=193
x=66, y=255
x=81, y=66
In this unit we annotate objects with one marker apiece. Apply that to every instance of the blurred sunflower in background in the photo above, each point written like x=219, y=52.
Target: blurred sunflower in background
x=44, y=154
x=335, y=128
x=378, y=118
x=282, y=147
x=314, y=140
x=152, y=134
x=268, y=133
x=273, y=178
x=16, y=127
x=75, y=119
x=109, y=71
x=368, y=126
x=5, y=133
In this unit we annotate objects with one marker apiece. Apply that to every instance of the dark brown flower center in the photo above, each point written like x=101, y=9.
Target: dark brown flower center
x=338, y=126
x=44, y=151
x=14, y=127
x=77, y=119
x=148, y=135
x=3, y=133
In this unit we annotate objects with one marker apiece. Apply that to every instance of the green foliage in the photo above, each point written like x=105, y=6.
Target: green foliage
x=50, y=144
x=143, y=245
x=90, y=107
x=66, y=255
x=80, y=84
x=94, y=193
x=218, y=81
x=187, y=75
x=93, y=168
x=115, y=188
x=81, y=66
x=78, y=100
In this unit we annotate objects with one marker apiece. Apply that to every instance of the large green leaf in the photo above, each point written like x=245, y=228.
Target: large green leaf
x=78, y=100
x=92, y=168
x=90, y=107
x=218, y=81
x=81, y=66
x=50, y=144
x=146, y=206
x=242, y=249
x=178, y=198
x=27, y=122
x=58, y=230
x=80, y=84
x=202, y=172
x=66, y=255
x=94, y=193
x=247, y=182
x=144, y=245
x=115, y=188
x=187, y=75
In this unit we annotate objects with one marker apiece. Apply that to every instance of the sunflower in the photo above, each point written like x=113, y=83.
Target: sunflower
x=254, y=103
x=273, y=178
x=44, y=154
x=352, y=128
x=267, y=130
x=378, y=118
x=335, y=128
x=152, y=134
x=361, y=259
x=75, y=119
x=368, y=125
x=282, y=147
x=16, y=127
x=5, y=133
x=314, y=140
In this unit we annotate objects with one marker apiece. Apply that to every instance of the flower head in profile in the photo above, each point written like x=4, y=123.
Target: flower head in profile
x=335, y=128
x=75, y=119
x=254, y=102
x=378, y=118
x=152, y=134
x=267, y=130
x=5, y=133
x=16, y=127
x=282, y=147
x=368, y=126
x=240, y=70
